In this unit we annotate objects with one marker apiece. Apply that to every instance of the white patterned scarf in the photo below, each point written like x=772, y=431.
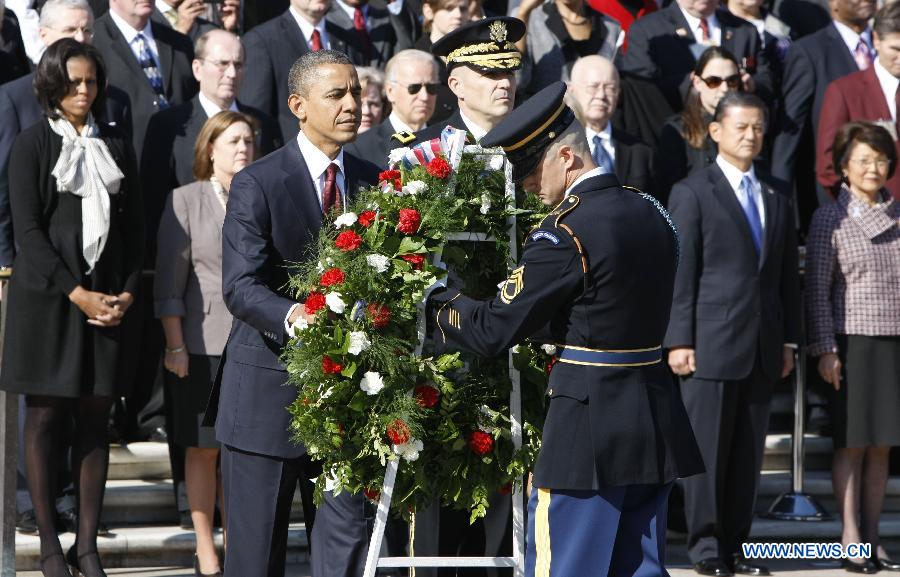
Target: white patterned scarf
x=86, y=168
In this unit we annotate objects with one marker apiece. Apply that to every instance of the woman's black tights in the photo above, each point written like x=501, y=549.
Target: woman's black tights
x=44, y=420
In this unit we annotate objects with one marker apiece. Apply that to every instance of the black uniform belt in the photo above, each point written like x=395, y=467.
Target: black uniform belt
x=610, y=358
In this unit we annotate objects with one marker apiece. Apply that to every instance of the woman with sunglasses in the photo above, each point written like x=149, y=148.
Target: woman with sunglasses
x=684, y=142
x=440, y=18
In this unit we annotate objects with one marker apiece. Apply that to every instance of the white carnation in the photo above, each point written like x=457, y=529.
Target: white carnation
x=485, y=419
x=335, y=302
x=358, y=342
x=496, y=162
x=346, y=219
x=414, y=187
x=515, y=349
x=320, y=268
x=371, y=383
x=396, y=155
x=485, y=203
x=300, y=324
x=549, y=349
x=409, y=450
x=379, y=262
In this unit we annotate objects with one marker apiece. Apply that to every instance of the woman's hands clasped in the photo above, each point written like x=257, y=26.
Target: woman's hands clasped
x=102, y=310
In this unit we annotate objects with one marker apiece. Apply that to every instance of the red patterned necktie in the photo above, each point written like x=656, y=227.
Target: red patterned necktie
x=331, y=196
x=704, y=29
x=316, y=41
x=359, y=23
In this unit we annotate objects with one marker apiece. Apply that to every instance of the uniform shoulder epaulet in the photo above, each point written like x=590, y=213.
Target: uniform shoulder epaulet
x=403, y=137
x=553, y=220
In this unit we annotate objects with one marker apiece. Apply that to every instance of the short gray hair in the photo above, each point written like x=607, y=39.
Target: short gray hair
x=52, y=7
x=408, y=55
x=575, y=138
x=303, y=71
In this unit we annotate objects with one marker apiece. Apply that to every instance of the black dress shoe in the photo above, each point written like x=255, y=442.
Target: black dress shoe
x=887, y=564
x=742, y=567
x=866, y=566
x=713, y=567
x=158, y=435
x=26, y=524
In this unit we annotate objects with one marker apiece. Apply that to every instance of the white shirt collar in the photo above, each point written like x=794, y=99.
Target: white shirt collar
x=128, y=32
x=733, y=174
x=851, y=38
x=605, y=134
x=350, y=10
x=211, y=108
x=316, y=160
x=164, y=7
x=307, y=29
x=591, y=173
x=694, y=24
x=399, y=125
x=888, y=81
x=476, y=131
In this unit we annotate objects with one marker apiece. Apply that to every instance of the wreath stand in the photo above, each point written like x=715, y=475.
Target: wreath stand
x=517, y=561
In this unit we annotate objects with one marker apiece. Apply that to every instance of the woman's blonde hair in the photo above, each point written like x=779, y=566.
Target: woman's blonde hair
x=212, y=129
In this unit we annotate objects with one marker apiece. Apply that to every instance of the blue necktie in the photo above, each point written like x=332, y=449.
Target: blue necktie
x=148, y=64
x=748, y=203
x=601, y=157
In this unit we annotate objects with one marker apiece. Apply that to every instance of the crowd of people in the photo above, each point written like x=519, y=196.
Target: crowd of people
x=123, y=125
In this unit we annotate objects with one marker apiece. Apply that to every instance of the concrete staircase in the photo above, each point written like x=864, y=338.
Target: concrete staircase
x=140, y=506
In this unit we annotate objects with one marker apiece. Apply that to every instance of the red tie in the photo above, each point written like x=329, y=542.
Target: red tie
x=316, y=41
x=359, y=23
x=331, y=196
x=704, y=29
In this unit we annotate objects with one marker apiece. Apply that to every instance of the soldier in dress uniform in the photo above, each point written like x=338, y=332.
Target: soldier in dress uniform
x=481, y=60
x=616, y=434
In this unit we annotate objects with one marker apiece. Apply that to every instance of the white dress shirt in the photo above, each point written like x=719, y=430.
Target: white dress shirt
x=308, y=28
x=591, y=173
x=734, y=175
x=130, y=34
x=211, y=108
x=889, y=84
x=605, y=140
x=715, y=30
x=851, y=38
x=476, y=131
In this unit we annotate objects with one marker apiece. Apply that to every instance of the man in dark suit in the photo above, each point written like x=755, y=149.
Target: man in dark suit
x=594, y=92
x=411, y=88
x=273, y=47
x=372, y=34
x=735, y=319
x=813, y=63
x=274, y=213
x=13, y=61
x=150, y=62
x=616, y=434
x=665, y=45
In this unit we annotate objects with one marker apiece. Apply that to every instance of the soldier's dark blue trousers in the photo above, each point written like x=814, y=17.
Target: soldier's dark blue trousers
x=615, y=531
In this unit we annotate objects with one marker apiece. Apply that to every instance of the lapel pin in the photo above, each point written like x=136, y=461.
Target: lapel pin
x=681, y=32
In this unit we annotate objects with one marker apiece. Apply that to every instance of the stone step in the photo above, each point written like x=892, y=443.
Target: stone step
x=817, y=451
x=818, y=484
x=145, y=461
x=148, y=546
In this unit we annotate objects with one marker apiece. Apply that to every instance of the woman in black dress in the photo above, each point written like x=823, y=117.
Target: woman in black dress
x=76, y=207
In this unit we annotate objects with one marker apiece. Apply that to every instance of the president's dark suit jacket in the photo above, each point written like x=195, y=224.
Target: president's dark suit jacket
x=857, y=96
x=122, y=69
x=660, y=48
x=729, y=304
x=19, y=109
x=168, y=158
x=634, y=162
x=271, y=49
x=813, y=63
x=273, y=217
x=384, y=39
x=375, y=144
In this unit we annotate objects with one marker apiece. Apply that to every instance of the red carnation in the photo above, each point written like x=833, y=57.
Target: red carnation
x=481, y=443
x=398, y=432
x=427, y=396
x=438, y=168
x=367, y=218
x=416, y=260
x=380, y=315
x=314, y=302
x=410, y=219
x=550, y=364
x=372, y=494
x=330, y=367
x=388, y=175
x=347, y=241
x=332, y=276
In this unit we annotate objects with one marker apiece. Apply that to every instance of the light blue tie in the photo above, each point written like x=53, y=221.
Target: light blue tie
x=601, y=157
x=748, y=203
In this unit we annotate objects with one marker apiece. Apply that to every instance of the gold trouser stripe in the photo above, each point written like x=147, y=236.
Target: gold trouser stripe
x=542, y=534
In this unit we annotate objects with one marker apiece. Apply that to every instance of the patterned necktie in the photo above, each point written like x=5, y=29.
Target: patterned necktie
x=172, y=17
x=148, y=65
x=748, y=203
x=359, y=23
x=331, y=196
x=601, y=157
x=862, y=55
x=704, y=30
x=316, y=41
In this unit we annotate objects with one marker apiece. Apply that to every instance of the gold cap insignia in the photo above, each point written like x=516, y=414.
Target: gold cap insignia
x=498, y=32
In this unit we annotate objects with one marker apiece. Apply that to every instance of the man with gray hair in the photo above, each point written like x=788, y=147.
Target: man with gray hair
x=411, y=88
x=275, y=211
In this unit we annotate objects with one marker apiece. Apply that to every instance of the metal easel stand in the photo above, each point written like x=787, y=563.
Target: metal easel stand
x=796, y=505
x=517, y=561
x=9, y=430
